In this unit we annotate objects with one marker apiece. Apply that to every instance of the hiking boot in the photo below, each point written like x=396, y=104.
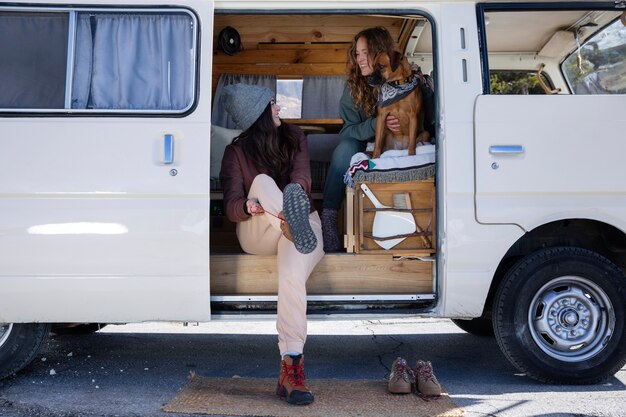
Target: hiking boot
x=400, y=378
x=291, y=381
x=296, y=208
x=425, y=380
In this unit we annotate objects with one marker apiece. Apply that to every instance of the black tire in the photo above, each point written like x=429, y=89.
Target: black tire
x=76, y=328
x=560, y=316
x=479, y=326
x=19, y=344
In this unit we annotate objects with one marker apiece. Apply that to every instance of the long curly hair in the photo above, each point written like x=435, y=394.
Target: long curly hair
x=270, y=146
x=378, y=40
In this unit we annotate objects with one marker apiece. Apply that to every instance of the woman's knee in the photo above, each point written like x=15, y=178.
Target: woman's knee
x=262, y=183
x=261, y=180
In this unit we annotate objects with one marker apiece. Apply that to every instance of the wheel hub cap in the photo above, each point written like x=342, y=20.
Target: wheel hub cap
x=571, y=319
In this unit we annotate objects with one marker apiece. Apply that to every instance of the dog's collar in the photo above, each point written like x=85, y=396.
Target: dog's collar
x=394, y=91
x=408, y=79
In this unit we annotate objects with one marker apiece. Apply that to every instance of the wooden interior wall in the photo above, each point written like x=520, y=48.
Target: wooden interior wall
x=297, y=45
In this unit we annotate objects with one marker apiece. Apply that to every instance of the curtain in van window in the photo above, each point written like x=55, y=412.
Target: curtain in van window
x=321, y=95
x=219, y=117
x=133, y=61
x=83, y=57
x=33, y=56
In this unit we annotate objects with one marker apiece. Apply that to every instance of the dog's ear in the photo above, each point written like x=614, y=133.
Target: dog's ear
x=380, y=59
x=395, y=58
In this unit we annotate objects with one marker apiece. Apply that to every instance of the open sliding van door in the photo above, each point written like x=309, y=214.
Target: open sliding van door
x=104, y=146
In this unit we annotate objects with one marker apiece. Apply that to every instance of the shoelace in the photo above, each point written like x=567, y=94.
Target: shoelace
x=295, y=374
x=425, y=371
x=401, y=369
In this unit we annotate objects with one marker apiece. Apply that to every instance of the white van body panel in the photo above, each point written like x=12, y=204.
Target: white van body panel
x=470, y=251
x=97, y=229
x=113, y=237
x=557, y=174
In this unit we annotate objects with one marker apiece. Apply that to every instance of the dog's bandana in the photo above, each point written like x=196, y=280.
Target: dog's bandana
x=389, y=93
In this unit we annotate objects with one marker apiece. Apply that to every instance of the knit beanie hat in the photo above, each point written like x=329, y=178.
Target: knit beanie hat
x=245, y=103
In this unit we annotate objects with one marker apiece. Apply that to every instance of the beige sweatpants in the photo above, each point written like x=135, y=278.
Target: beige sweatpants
x=261, y=235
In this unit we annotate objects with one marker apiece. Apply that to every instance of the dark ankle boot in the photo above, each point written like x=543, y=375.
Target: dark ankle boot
x=291, y=381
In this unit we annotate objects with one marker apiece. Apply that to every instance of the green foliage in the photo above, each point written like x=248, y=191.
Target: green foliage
x=515, y=82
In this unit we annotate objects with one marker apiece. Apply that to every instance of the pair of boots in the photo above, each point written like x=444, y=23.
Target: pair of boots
x=402, y=378
x=292, y=381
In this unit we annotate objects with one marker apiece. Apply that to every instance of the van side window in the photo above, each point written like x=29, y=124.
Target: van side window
x=98, y=61
x=289, y=98
x=534, y=49
x=33, y=47
x=599, y=66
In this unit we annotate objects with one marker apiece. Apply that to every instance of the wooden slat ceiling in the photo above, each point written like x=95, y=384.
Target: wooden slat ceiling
x=296, y=45
x=255, y=29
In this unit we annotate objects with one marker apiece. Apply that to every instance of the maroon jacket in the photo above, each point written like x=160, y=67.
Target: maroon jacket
x=238, y=171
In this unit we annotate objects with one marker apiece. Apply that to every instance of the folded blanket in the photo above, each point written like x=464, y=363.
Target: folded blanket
x=392, y=166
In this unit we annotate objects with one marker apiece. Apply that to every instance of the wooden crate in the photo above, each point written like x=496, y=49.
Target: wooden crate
x=420, y=199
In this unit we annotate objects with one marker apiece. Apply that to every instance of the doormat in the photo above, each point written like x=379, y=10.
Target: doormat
x=333, y=397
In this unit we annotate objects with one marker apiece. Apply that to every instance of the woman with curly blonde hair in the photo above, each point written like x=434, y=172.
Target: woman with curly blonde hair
x=357, y=108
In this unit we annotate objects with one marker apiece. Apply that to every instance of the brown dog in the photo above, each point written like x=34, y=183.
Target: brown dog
x=400, y=96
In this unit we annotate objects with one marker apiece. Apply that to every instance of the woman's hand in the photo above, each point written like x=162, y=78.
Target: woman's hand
x=254, y=208
x=392, y=123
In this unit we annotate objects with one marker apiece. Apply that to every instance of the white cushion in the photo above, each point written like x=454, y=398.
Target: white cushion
x=220, y=138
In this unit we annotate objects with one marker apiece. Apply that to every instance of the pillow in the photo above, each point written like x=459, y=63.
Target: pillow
x=220, y=138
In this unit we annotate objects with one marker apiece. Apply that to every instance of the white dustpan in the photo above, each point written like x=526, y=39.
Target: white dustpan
x=389, y=223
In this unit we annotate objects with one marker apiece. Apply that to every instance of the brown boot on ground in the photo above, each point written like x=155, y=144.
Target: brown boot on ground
x=400, y=378
x=291, y=381
x=425, y=380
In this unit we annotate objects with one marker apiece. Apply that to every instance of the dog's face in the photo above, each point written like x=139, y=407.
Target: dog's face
x=388, y=67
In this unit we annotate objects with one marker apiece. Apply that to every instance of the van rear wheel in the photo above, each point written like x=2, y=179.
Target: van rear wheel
x=560, y=316
x=19, y=344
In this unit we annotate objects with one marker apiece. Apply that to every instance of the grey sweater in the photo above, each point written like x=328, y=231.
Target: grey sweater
x=356, y=124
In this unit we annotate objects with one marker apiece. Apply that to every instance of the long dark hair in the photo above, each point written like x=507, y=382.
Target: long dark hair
x=269, y=146
x=378, y=40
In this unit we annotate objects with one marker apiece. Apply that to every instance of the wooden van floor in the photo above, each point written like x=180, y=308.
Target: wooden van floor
x=336, y=274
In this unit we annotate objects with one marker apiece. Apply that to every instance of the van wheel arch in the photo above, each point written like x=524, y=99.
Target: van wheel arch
x=19, y=344
x=592, y=235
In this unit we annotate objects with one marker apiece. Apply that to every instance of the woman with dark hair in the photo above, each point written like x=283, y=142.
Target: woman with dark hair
x=266, y=180
x=357, y=108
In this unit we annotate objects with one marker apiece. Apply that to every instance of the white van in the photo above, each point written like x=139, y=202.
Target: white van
x=110, y=211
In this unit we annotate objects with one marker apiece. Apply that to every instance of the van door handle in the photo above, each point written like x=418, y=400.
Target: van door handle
x=168, y=151
x=506, y=149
